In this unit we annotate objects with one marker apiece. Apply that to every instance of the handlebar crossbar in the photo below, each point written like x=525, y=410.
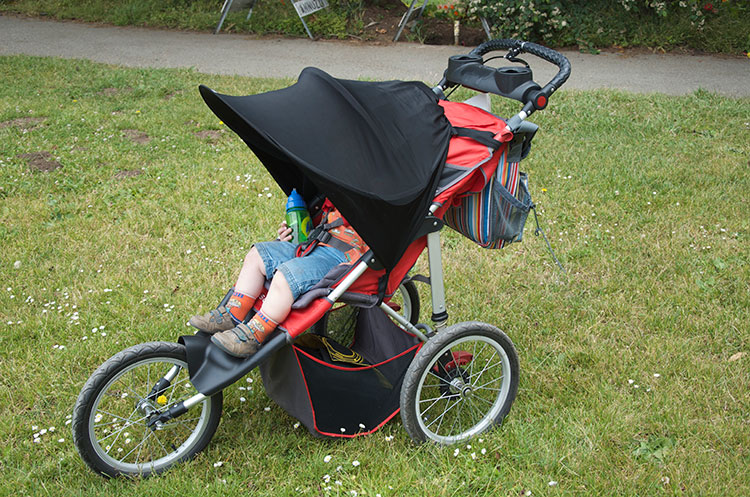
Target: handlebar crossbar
x=511, y=82
x=517, y=47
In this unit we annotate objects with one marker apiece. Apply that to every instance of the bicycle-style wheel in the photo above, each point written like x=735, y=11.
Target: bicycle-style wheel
x=111, y=415
x=461, y=383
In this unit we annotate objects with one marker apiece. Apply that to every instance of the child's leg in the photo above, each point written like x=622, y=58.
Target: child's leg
x=290, y=280
x=252, y=275
x=245, y=339
x=249, y=285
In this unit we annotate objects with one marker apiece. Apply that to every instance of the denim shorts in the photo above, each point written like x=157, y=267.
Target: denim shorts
x=302, y=273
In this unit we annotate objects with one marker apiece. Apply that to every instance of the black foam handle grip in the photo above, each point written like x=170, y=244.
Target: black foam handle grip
x=540, y=51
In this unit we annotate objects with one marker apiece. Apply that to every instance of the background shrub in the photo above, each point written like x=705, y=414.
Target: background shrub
x=718, y=26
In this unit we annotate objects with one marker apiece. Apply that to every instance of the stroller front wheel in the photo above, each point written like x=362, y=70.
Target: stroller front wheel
x=461, y=383
x=111, y=416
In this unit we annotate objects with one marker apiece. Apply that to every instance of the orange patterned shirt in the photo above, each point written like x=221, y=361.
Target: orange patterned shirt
x=345, y=233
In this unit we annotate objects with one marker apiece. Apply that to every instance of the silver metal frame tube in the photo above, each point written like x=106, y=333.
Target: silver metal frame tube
x=437, y=286
x=403, y=322
x=172, y=373
x=194, y=400
x=347, y=282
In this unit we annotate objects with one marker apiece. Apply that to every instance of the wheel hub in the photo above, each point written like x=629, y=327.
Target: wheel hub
x=457, y=386
x=146, y=407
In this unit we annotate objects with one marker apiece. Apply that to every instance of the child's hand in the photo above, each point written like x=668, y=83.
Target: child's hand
x=285, y=233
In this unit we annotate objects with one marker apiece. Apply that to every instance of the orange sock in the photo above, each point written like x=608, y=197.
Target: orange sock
x=239, y=305
x=262, y=326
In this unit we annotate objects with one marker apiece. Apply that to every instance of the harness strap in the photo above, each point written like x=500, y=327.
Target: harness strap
x=320, y=234
x=484, y=137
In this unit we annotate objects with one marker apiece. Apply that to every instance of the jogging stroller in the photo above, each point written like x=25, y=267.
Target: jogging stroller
x=399, y=161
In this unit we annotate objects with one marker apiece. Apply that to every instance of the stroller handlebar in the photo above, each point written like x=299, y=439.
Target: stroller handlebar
x=517, y=47
x=511, y=81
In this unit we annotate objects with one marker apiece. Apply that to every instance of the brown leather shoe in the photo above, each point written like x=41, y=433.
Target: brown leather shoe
x=215, y=321
x=237, y=342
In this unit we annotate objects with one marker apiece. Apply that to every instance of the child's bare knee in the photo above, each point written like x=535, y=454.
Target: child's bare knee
x=280, y=283
x=253, y=261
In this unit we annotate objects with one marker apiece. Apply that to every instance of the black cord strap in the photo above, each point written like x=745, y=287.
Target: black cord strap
x=549, y=247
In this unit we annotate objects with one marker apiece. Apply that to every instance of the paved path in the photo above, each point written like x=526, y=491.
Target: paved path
x=244, y=55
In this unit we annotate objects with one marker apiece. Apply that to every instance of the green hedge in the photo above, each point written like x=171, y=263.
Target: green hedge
x=716, y=26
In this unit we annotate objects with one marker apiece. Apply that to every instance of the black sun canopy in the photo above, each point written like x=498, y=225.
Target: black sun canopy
x=376, y=150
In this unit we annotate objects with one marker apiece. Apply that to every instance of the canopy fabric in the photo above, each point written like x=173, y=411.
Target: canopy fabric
x=375, y=149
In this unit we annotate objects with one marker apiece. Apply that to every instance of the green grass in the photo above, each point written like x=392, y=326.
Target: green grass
x=645, y=202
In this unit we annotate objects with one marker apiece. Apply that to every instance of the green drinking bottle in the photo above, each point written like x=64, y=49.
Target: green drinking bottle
x=297, y=217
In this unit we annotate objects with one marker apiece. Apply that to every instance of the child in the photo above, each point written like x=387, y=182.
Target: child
x=291, y=276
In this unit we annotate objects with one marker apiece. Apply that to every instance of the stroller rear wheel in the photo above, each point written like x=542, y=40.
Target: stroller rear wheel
x=461, y=383
x=407, y=298
x=111, y=416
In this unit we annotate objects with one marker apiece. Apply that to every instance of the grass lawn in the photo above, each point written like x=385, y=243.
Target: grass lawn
x=126, y=206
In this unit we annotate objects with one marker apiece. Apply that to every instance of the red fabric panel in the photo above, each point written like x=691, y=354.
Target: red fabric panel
x=299, y=320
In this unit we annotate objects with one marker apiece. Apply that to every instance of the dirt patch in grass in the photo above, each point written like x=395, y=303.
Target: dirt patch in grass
x=23, y=122
x=40, y=161
x=130, y=173
x=211, y=135
x=171, y=95
x=136, y=136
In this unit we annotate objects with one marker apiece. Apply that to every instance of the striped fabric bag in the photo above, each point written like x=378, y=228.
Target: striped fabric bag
x=496, y=215
x=493, y=198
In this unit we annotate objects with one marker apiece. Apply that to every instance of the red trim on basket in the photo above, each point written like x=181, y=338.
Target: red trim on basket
x=312, y=408
x=358, y=434
x=304, y=380
x=365, y=368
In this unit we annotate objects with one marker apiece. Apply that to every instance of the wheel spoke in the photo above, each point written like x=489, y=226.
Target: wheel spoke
x=485, y=387
x=138, y=455
x=137, y=395
x=166, y=452
x=137, y=446
x=485, y=400
x=479, y=411
x=486, y=367
x=488, y=388
x=473, y=357
x=433, y=398
x=105, y=424
x=442, y=415
x=457, y=417
x=442, y=379
x=120, y=431
x=433, y=404
x=101, y=411
x=173, y=388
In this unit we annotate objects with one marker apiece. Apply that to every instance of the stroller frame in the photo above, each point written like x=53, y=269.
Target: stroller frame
x=441, y=374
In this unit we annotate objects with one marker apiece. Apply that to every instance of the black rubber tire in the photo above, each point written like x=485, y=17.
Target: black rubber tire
x=408, y=290
x=468, y=388
x=106, y=378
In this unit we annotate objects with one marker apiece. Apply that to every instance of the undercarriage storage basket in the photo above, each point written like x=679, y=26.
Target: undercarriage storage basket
x=341, y=391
